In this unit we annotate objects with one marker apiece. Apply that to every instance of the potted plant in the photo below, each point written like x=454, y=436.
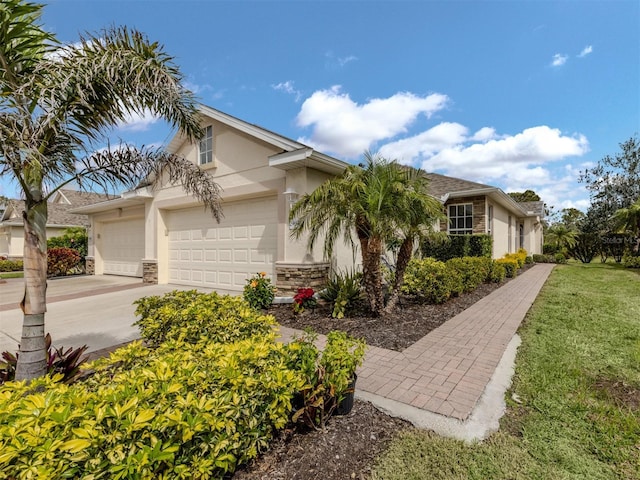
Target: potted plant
x=330, y=376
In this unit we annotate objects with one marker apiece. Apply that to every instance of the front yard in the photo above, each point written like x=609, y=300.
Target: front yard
x=573, y=409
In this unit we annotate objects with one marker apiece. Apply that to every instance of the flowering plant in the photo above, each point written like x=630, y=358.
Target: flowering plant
x=258, y=292
x=304, y=299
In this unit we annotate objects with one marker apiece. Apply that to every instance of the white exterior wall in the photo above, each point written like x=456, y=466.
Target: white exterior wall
x=12, y=239
x=501, y=231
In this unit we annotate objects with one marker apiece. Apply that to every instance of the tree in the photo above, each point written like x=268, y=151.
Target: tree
x=377, y=201
x=526, y=196
x=614, y=183
x=560, y=236
x=628, y=219
x=58, y=103
x=572, y=218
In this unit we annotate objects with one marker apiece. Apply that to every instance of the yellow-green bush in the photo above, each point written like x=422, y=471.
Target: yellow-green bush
x=510, y=265
x=430, y=280
x=191, y=316
x=472, y=270
x=180, y=411
x=10, y=265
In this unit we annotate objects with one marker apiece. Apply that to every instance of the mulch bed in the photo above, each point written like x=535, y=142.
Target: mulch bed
x=345, y=449
x=402, y=328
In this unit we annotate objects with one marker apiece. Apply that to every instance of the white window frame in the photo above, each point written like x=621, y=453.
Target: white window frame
x=490, y=220
x=205, y=147
x=465, y=214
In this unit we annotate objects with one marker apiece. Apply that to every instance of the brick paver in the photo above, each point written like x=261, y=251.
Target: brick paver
x=447, y=370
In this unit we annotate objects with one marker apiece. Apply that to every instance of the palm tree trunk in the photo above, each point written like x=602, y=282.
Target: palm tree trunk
x=32, y=358
x=372, y=274
x=404, y=257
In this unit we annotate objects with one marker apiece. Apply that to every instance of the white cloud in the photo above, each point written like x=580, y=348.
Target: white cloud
x=138, y=121
x=585, y=51
x=348, y=59
x=484, y=134
x=344, y=127
x=559, y=59
x=533, y=145
x=425, y=144
x=288, y=87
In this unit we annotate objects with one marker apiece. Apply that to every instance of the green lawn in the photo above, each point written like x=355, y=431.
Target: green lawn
x=11, y=274
x=577, y=384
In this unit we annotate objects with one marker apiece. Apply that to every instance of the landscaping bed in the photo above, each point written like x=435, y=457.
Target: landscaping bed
x=407, y=324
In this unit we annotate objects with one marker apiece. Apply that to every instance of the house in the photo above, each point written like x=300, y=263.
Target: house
x=59, y=219
x=477, y=208
x=165, y=236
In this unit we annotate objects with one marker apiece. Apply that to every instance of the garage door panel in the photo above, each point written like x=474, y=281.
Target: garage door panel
x=122, y=247
x=223, y=255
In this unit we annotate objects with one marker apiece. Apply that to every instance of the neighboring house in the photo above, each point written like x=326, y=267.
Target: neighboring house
x=59, y=219
x=165, y=236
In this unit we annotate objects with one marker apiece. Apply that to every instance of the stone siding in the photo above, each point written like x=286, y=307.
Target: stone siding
x=150, y=271
x=292, y=276
x=479, y=213
x=90, y=265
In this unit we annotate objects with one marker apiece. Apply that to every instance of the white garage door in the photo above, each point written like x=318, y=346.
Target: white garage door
x=222, y=256
x=123, y=247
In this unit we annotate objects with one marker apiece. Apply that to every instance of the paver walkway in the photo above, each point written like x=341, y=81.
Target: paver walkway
x=447, y=371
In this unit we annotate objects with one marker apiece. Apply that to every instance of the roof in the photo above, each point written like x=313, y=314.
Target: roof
x=294, y=154
x=59, y=212
x=79, y=199
x=441, y=185
x=535, y=207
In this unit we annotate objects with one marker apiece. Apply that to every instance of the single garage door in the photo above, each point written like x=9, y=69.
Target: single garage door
x=123, y=247
x=223, y=255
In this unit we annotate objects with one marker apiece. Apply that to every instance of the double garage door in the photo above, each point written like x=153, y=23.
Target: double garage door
x=204, y=253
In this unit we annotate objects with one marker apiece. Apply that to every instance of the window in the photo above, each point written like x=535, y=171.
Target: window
x=461, y=219
x=206, y=146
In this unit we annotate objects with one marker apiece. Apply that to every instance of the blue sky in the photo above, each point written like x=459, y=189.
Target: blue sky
x=521, y=95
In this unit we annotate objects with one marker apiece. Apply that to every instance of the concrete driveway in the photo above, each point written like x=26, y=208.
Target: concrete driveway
x=94, y=310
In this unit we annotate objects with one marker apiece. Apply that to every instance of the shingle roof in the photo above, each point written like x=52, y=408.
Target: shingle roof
x=58, y=213
x=80, y=199
x=535, y=207
x=440, y=185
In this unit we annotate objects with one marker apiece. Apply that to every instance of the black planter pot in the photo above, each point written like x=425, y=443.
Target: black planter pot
x=346, y=405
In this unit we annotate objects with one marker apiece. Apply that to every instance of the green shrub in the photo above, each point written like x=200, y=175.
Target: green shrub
x=498, y=272
x=74, y=237
x=195, y=317
x=528, y=260
x=343, y=291
x=541, y=258
x=62, y=261
x=630, y=261
x=560, y=258
x=327, y=374
x=457, y=246
x=258, y=292
x=11, y=265
x=429, y=280
x=470, y=272
x=181, y=411
x=510, y=265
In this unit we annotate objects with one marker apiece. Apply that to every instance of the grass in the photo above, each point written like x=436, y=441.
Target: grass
x=577, y=382
x=12, y=275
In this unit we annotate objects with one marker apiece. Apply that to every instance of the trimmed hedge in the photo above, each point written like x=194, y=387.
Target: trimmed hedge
x=62, y=261
x=11, y=265
x=430, y=280
x=510, y=265
x=457, y=246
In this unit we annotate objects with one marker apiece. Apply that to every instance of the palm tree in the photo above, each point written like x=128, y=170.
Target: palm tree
x=560, y=236
x=628, y=219
x=376, y=201
x=57, y=105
